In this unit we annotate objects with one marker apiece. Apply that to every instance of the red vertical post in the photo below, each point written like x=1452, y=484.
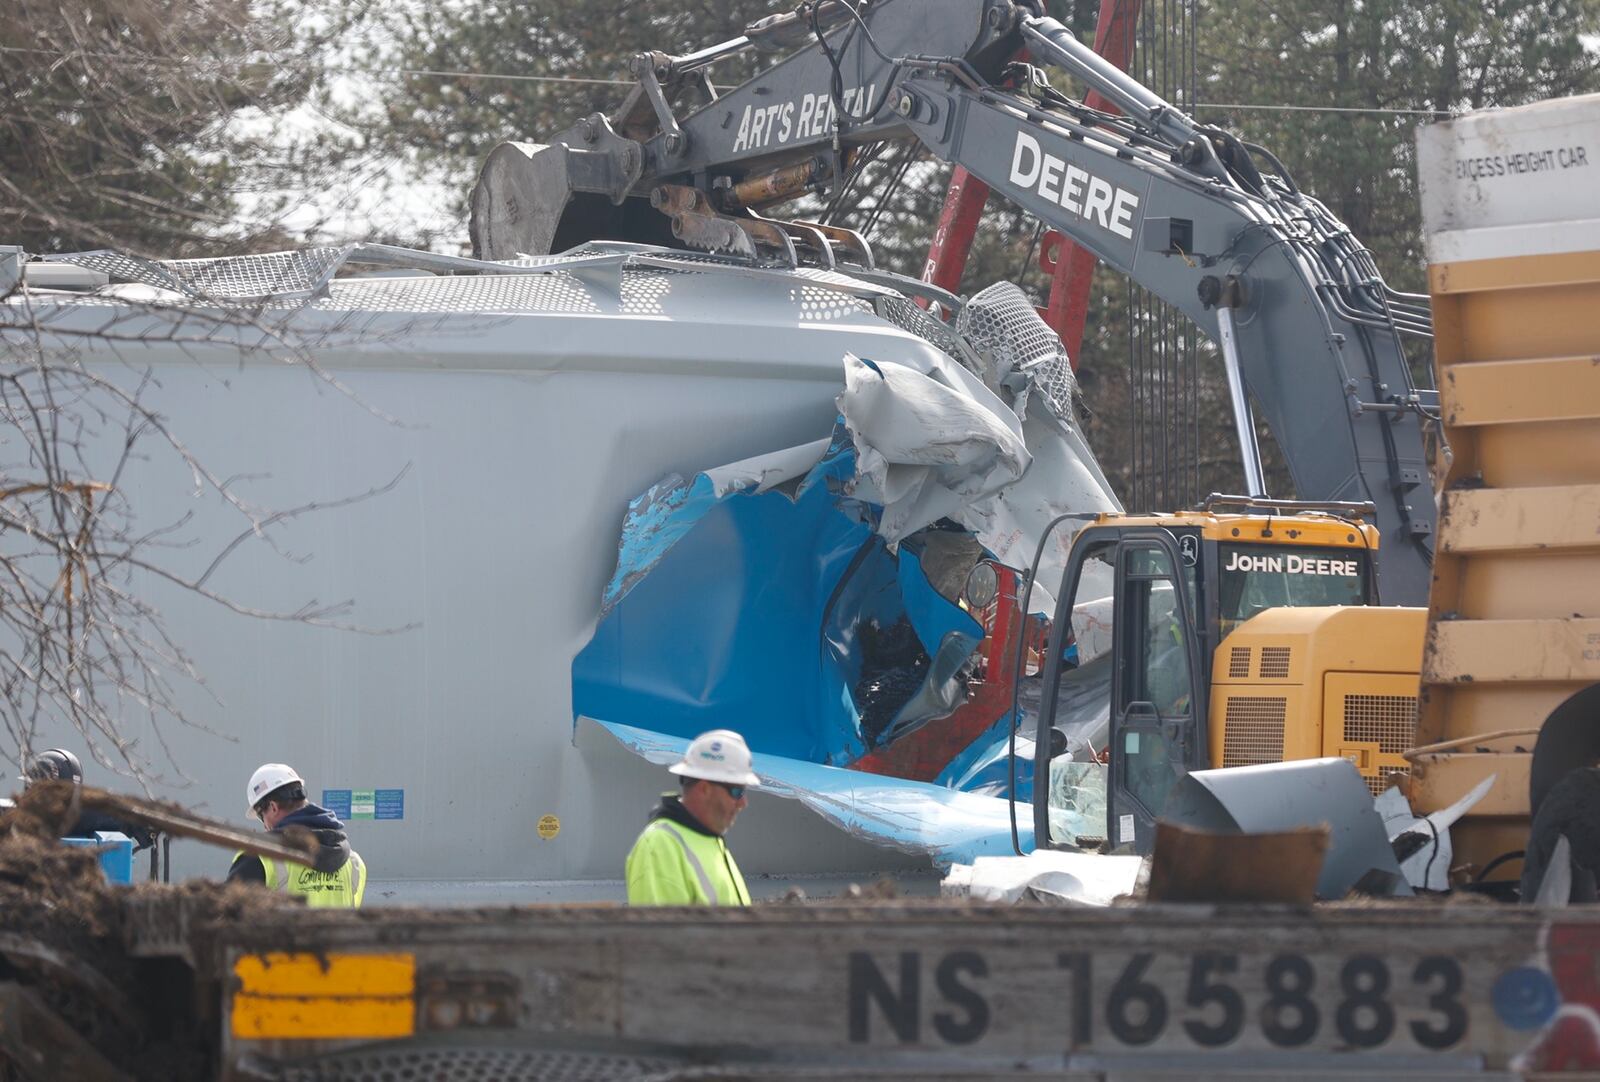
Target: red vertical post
x=1072, y=268
x=958, y=224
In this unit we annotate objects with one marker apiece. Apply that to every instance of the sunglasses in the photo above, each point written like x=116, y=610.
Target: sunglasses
x=735, y=791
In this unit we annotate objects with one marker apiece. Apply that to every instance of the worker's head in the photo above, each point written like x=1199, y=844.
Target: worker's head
x=57, y=764
x=714, y=773
x=274, y=791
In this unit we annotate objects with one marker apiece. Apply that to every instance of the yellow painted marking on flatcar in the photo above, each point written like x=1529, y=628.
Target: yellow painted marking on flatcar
x=311, y=1018
x=303, y=996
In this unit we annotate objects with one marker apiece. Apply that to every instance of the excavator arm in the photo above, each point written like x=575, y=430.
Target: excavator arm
x=1306, y=326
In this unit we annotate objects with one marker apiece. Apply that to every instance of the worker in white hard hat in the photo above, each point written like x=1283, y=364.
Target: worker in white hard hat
x=681, y=858
x=337, y=877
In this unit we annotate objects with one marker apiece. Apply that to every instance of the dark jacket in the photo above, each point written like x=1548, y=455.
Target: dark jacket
x=672, y=809
x=333, y=846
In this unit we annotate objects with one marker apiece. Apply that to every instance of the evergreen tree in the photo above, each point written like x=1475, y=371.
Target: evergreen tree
x=141, y=124
x=498, y=71
x=1393, y=66
x=1338, y=90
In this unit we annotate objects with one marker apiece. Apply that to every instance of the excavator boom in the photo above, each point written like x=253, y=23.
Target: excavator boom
x=1307, y=328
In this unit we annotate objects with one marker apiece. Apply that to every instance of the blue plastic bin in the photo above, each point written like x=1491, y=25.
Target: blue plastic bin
x=116, y=857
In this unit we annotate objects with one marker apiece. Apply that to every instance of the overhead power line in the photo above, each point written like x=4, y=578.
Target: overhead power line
x=1322, y=109
x=343, y=69
x=446, y=73
x=426, y=72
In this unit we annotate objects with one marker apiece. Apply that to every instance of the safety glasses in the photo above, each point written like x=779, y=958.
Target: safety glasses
x=735, y=791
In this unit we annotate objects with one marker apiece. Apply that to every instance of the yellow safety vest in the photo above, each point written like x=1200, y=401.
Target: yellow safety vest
x=342, y=889
x=670, y=865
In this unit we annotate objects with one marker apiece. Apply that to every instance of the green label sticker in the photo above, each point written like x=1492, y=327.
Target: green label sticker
x=363, y=804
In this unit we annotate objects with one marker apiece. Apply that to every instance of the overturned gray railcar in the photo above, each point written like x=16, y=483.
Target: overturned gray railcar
x=458, y=451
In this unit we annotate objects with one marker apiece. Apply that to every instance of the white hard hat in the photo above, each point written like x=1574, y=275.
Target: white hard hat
x=720, y=755
x=268, y=778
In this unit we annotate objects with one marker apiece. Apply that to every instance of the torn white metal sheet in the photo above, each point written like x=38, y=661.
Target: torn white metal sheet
x=1054, y=875
x=915, y=449
x=765, y=472
x=927, y=446
x=1428, y=868
x=1006, y=348
x=1064, y=477
x=1555, y=889
x=1024, y=360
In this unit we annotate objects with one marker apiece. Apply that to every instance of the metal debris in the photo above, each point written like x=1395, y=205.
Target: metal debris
x=1422, y=844
x=1200, y=866
x=1277, y=797
x=1052, y=876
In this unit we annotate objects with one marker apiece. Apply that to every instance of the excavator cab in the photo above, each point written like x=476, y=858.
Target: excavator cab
x=1143, y=609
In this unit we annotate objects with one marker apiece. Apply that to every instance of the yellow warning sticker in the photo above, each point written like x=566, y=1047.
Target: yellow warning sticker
x=549, y=827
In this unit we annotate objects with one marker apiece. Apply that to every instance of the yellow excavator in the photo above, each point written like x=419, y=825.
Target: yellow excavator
x=1247, y=631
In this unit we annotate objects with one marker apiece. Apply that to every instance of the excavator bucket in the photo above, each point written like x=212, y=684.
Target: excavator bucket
x=533, y=199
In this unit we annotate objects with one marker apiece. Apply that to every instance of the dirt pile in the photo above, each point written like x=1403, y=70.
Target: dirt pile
x=60, y=922
x=64, y=932
x=46, y=886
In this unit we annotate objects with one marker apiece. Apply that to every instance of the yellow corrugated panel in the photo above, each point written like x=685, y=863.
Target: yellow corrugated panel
x=1437, y=781
x=1514, y=272
x=1515, y=278
x=1513, y=324
x=1519, y=391
x=1489, y=520
x=1502, y=651
x=282, y=996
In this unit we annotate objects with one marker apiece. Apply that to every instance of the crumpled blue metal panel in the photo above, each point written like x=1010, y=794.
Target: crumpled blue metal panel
x=751, y=596
x=737, y=609
x=670, y=508
x=716, y=620
x=655, y=522
x=914, y=816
